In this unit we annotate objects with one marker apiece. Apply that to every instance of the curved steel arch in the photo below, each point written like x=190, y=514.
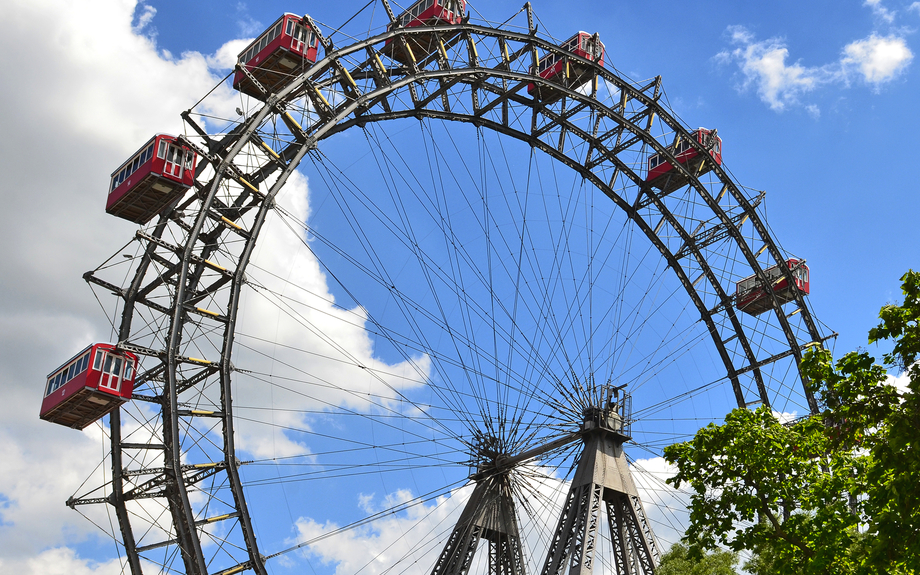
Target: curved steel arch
x=529, y=44
x=362, y=90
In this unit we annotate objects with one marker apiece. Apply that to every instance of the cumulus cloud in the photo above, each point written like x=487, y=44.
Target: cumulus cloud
x=60, y=561
x=292, y=329
x=665, y=506
x=105, y=87
x=766, y=66
x=410, y=538
x=410, y=533
x=880, y=11
x=915, y=7
x=876, y=59
x=36, y=479
x=65, y=561
x=226, y=55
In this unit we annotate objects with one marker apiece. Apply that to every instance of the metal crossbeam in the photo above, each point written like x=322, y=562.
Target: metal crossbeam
x=701, y=239
x=782, y=355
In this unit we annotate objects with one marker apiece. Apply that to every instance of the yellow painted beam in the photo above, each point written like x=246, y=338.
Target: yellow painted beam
x=271, y=151
x=292, y=120
x=211, y=264
x=248, y=185
x=230, y=223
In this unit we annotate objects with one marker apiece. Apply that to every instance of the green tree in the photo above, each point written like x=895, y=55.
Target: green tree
x=834, y=493
x=677, y=561
x=872, y=417
x=752, y=470
x=762, y=562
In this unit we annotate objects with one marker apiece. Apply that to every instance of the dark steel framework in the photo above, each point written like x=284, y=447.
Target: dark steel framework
x=603, y=480
x=489, y=515
x=602, y=130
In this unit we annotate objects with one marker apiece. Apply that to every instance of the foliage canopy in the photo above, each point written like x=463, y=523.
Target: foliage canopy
x=677, y=561
x=836, y=492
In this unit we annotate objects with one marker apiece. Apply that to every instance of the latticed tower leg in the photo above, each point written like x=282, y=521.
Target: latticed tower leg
x=602, y=477
x=510, y=552
x=634, y=545
x=619, y=538
x=489, y=515
x=505, y=556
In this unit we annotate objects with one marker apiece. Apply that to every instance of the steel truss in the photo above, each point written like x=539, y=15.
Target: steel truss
x=189, y=277
x=602, y=479
x=489, y=515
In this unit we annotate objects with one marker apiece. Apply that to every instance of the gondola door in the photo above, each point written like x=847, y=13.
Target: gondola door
x=174, y=163
x=112, y=370
x=299, y=38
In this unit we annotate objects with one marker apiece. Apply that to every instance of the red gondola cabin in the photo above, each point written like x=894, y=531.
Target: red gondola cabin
x=752, y=297
x=276, y=57
x=664, y=176
x=89, y=385
x=561, y=70
x=423, y=13
x=157, y=175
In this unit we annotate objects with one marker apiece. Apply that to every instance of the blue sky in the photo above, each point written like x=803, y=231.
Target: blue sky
x=815, y=103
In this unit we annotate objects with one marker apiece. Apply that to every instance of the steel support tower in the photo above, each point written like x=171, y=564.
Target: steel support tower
x=489, y=515
x=601, y=480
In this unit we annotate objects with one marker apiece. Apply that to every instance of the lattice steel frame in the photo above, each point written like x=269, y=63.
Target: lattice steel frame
x=602, y=480
x=477, y=75
x=489, y=514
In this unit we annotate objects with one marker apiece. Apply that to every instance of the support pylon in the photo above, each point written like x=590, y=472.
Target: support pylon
x=602, y=479
x=489, y=515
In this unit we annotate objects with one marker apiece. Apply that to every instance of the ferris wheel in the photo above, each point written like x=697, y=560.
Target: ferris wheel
x=388, y=306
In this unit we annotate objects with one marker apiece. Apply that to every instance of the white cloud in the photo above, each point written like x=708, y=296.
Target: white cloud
x=877, y=59
x=144, y=18
x=65, y=561
x=37, y=478
x=900, y=382
x=293, y=330
x=103, y=90
x=764, y=67
x=226, y=55
x=60, y=561
x=781, y=84
x=915, y=7
x=411, y=538
x=880, y=11
x=665, y=506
